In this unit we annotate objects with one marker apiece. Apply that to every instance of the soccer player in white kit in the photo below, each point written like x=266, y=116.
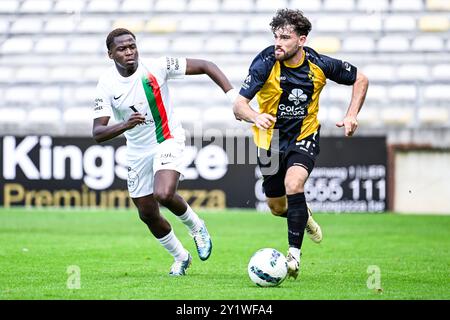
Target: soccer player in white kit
x=135, y=91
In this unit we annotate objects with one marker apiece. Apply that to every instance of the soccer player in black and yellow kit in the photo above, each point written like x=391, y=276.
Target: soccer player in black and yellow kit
x=287, y=79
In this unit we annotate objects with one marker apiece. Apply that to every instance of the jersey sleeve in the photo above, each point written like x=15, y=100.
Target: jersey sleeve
x=174, y=67
x=339, y=71
x=257, y=75
x=102, y=106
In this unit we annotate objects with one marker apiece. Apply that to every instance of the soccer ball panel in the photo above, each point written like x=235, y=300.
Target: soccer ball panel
x=267, y=267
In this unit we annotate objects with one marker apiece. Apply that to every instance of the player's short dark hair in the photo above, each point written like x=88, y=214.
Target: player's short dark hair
x=295, y=18
x=115, y=33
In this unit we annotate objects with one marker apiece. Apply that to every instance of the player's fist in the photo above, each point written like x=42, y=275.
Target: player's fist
x=135, y=119
x=350, y=124
x=264, y=121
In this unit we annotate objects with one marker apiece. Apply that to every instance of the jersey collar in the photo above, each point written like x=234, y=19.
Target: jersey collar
x=298, y=64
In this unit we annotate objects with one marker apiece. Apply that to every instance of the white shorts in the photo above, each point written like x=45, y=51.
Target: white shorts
x=167, y=155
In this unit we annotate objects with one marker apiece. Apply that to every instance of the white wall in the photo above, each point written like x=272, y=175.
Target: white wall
x=422, y=181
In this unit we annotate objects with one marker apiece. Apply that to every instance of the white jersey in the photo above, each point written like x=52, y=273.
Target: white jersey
x=146, y=91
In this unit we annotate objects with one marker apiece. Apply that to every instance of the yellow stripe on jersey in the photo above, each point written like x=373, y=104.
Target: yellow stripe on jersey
x=268, y=98
x=310, y=124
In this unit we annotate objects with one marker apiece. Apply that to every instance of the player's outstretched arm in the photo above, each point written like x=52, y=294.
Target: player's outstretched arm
x=358, y=96
x=199, y=66
x=102, y=132
x=243, y=111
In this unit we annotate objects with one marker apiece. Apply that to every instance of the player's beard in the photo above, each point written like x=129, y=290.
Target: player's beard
x=288, y=55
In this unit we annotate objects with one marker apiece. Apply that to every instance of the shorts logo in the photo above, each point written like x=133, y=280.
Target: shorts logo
x=133, y=180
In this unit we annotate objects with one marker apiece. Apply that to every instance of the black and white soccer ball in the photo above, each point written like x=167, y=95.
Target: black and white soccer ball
x=267, y=267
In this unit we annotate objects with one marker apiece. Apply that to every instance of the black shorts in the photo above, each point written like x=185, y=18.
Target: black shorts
x=275, y=165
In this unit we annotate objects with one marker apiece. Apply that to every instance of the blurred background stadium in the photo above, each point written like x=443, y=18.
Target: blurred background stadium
x=53, y=51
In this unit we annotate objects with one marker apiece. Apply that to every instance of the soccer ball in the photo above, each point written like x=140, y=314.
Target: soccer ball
x=267, y=267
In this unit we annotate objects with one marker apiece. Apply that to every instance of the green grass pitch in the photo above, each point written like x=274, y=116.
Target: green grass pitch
x=119, y=259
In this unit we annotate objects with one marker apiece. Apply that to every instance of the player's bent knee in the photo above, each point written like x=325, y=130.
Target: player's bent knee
x=164, y=196
x=294, y=186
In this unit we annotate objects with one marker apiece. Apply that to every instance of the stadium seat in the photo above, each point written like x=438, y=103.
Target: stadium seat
x=154, y=45
x=77, y=121
x=371, y=6
x=393, y=44
x=203, y=6
x=13, y=46
x=20, y=96
x=331, y=24
x=12, y=121
x=187, y=45
x=307, y=6
x=222, y=24
x=50, y=45
x=7, y=74
x=255, y=44
x=438, y=5
x=94, y=25
x=222, y=45
x=60, y=25
x=161, y=25
x=325, y=44
x=428, y=43
x=194, y=24
x=135, y=25
x=69, y=6
x=87, y=45
x=93, y=73
x=270, y=6
x=141, y=6
x=403, y=93
x=400, y=23
x=338, y=5
x=358, y=44
x=368, y=23
x=437, y=92
x=259, y=24
x=9, y=6
x=339, y=94
x=31, y=74
x=380, y=72
x=334, y=114
x=369, y=117
x=397, y=116
x=377, y=94
x=101, y=6
x=36, y=6
x=66, y=73
x=237, y=5
x=413, y=72
x=50, y=96
x=441, y=72
x=434, y=116
x=44, y=120
x=434, y=23
x=170, y=6
x=407, y=5
x=27, y=25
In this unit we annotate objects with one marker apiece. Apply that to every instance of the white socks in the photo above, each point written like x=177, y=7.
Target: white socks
x=171, y=243
x=190, y=219
x=295, y=252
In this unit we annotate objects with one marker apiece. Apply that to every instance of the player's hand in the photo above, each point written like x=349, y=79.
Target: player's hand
x=135, y=119
x=264, y=121
x=350, y=124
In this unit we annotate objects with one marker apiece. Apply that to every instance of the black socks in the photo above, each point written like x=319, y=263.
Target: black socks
x=297, y=217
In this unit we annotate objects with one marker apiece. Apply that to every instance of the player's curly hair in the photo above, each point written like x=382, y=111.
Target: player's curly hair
x=291, y=17
x=115, y=33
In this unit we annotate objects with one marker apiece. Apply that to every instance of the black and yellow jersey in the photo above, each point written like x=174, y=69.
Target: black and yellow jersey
x=291, y=92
